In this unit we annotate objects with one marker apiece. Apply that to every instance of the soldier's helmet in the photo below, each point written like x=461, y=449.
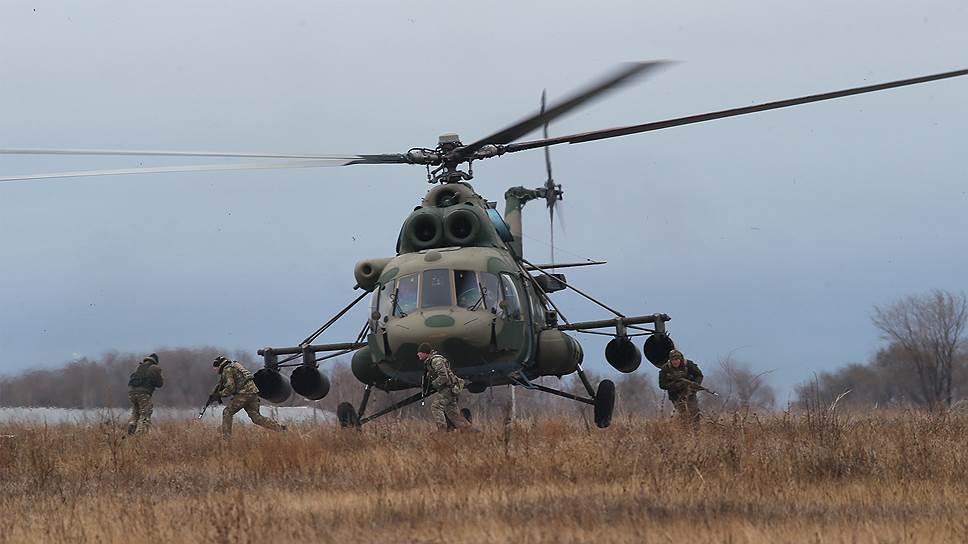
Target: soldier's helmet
x=218, y=360
x=676, y=354
x=153, y=357
x=424, y=347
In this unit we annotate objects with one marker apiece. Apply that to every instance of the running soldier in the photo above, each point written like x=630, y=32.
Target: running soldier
x=681, y=379
x=141, y=385
x=236, y=382
x=439, y=376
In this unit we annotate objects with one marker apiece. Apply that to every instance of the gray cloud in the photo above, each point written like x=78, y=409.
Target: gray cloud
x=773, y=233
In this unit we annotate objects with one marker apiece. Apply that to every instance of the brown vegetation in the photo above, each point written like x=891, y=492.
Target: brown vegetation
x=818, y=477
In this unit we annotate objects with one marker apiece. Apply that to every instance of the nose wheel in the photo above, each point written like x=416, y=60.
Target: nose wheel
x=604, y=403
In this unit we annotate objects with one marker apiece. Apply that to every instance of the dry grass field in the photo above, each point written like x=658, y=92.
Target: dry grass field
x=810, y=478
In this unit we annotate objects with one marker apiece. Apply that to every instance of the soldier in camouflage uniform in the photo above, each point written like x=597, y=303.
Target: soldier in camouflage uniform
x=236, y=382
x=142, y=383
x=439, y=376
x=679, y=377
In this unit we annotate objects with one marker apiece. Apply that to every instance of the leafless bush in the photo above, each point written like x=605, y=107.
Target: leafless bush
x=740, y=388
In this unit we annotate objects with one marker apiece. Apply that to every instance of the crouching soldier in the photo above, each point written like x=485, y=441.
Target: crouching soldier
x=141, y=385
x=439, y=376
x=236, y=382
x=681, y=379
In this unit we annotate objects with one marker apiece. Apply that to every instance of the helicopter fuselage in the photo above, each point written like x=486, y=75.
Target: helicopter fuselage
x=469, y=302
x=474, y=302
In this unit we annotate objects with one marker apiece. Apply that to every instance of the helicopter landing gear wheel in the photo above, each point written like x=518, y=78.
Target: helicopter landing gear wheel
x=347, y=416
x=604, y=403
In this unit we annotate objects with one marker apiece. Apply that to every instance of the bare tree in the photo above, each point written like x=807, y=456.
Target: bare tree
x=928, y=330
x=638, y=395
x=741, y=387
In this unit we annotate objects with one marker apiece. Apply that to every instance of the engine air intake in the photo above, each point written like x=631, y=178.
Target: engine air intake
x=424, y=230
x=461, y=227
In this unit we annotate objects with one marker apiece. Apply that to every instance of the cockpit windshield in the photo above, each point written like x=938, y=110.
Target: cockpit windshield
x=492, y=290
x=436, y=288
x=467, y=289
x=405, y=295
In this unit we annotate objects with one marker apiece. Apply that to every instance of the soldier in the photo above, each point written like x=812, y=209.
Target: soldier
x=680, y=378
x=438, y=374
x=236, y=382
x=142, y=383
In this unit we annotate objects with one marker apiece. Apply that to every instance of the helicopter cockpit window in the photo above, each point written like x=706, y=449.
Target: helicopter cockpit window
x=492, y=289
x=436, y=288
x=467, y=289
x=406, y=295
x=512, y=301
x=383, y=299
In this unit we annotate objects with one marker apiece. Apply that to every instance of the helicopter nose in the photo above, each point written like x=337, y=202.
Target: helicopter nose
x=437, y=326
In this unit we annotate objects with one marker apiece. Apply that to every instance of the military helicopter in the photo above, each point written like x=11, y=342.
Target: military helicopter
x=459, y=278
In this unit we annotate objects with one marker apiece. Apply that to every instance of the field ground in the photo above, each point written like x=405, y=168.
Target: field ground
x=811, y=478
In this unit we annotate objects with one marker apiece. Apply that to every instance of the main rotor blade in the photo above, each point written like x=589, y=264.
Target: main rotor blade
x=657, y=125
x=534, y=267
x=187, y=168
x=369, y=159
x=526, y=125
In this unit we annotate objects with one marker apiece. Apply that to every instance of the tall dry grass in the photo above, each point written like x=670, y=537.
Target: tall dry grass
x=825, y=478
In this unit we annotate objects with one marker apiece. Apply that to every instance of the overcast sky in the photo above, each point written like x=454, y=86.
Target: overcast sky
x=769, y=237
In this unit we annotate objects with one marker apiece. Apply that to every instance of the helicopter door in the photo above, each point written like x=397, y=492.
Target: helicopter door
x=512, y=334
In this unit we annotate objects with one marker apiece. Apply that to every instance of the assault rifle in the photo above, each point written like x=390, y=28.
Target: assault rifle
x=426, y=387
x=212, y=399
x=697, y=387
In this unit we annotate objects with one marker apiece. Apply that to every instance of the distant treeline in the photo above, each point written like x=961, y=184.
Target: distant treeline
x=189, y=378
x=925, y=363
x=103, y=382
x=890, y=379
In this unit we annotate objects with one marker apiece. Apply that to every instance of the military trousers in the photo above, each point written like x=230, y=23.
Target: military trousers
x=141, y=408
x=250, y=403
x=687, y=408
x=444, y=407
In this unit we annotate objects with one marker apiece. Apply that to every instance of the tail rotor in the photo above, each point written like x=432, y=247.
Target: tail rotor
x=552, y=191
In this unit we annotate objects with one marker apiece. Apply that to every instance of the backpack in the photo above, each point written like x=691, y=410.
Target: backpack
x=136, y=379
x=141, y=378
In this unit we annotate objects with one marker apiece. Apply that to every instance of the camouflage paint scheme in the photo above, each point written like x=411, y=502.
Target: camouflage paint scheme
x=445, y=404
x=484, y=345
x=141, y=385
x=236, y=381
x=463, y=334
x=141, y=408
x=676, y=382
